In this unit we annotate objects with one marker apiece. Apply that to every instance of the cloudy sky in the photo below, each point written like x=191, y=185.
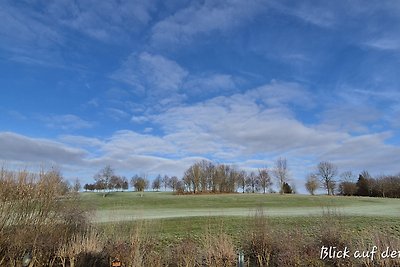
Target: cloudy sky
x=152, y=86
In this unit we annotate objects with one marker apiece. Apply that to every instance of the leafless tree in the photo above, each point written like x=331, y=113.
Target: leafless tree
x=241, y=180
x=173, y=183
x=281, y=173
x=103, y=178
x=192, y=178
x=312, y=183
x=77, y=185
x=347, y=176
x=264, y=179
x=140, y=183
x=327, y=172
x=157, y=183
x=165, y=182
x=252, y=182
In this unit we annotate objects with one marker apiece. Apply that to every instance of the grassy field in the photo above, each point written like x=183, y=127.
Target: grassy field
x=287, y=226
x=128, y=206
x=175, y=216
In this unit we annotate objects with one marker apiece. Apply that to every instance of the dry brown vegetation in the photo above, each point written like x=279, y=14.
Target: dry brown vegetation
x=40, y=220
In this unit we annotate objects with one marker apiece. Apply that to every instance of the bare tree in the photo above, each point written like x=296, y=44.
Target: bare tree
x=312, y=183
x=252, y=182
x=77, y=185
x=264, y=179
x=103, y=178
x=173, y=183
x=241, y=179
x=347, y=186
x=192, y=177
x=347, y=176
x=157, y=183
x=165, y=182
x=327, y=172
x=281, y=173
x=125, y=183
x=140, y=183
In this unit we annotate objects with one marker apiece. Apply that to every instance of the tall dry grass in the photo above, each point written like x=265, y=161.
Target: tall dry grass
x=33, y=219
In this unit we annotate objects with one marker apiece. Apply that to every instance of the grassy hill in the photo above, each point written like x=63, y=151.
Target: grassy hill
x=126, y=206
x=290, y=227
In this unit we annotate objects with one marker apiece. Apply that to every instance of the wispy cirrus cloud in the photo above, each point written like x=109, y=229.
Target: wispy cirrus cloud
x=66, y=122
x=151, y=74
x=389, y=44
x=202, y=18
x=206, y=84
x=319, y=14
x=27, y=36
x=33, y=33
x=163, y=81
x=106, y=21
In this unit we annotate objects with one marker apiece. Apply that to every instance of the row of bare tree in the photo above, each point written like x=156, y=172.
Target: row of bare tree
x=328, y=178
x=201, y=177
x=205, y=176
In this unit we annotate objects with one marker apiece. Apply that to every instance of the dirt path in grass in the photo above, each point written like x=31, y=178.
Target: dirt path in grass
x=135, y=214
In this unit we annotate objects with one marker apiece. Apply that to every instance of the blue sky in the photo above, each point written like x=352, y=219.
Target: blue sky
x=152, y=86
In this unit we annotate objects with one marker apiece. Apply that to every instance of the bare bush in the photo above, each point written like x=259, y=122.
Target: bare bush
x=219, y=250
x=35, y=216
x=186, y=253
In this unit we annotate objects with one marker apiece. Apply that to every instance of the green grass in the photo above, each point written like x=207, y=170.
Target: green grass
x=126, y=206
x=172, y=217
x=171, y=230
x=124, y=200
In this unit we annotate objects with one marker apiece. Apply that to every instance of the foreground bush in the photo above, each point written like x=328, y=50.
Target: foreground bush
x=37, y=216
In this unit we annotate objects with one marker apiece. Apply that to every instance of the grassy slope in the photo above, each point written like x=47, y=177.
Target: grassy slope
x=190, y=216
x=123, y=200
x=156, y=205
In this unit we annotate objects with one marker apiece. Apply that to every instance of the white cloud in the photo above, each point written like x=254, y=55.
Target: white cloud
x=66, y=122
x=320, y=14
x=239, y=125
x=27, y=36
x=277, y=94
x=161, y=72
x=163, y=82
x=209, y=84
x=151, y=75
x=204, y=18
x=19, y=148
x=107, y=21
x=368, y=152
x=139, y=119
x=116, y=114
x=125, y=142
x=81, y=141
x=387, y=43
x=351, y=118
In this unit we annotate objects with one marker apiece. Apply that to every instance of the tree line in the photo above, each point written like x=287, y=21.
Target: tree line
x=106, y=180
x=328, y=178
x=201, y=177
x=209, y=177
